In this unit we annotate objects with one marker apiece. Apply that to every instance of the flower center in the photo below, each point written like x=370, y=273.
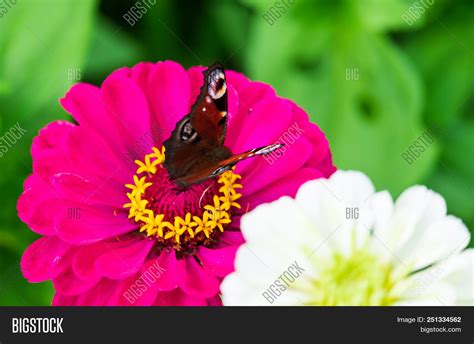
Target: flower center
x=360, y=279
x=180, y=218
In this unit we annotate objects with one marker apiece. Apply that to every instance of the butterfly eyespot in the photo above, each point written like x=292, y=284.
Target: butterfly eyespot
x=187, y=131
x=217, y=85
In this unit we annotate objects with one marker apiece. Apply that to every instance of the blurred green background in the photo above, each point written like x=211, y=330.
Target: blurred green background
x=374, y=74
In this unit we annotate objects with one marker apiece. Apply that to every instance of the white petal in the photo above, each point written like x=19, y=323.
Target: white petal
x=289, y=297
x=429, y=205
x=449, y=283
x=460, y=275
x=278, y=235
x=415, y=210
x=279, y=228
x=382, y=207
x=458, y=272
x=443, y=238
x=339, y=204
x=381, y=204
x=236, y=292
x=439, y=295
x=251, y=266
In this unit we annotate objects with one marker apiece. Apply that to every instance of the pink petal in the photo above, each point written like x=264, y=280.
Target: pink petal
x=321, y=157
x=51, y=138
x=100, y=294
x=163, y=271
x=261, y=128
x=84, y=102
x=168, y=91
x=63, y=300
x=83, y=263
x=232, y=238
x=133, y=291
x=194, y=280
x=319, y=143
x=41, y=257
x=76, y=188
x=92, y=158
x=37, y=206
x=91, y=224
x=219, y=262
x=124, y=261
x=283, y=163
x=178, y=298
x=233, y=108
x=237, y=80
x=196, y=80
x=326, y=167
x=66, y=282
x=140, y=73
x=214, y=301
x=50, y=162
x=84, y=260
x=283, y=187
x=248, y=97
x=126, y=101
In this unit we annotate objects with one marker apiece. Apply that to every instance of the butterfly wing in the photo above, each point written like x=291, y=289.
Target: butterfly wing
x=227, y=164
x=195, y=151
x=197, y=140
x=209, y=113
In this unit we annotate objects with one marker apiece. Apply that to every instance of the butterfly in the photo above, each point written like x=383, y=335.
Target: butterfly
x=195, y=150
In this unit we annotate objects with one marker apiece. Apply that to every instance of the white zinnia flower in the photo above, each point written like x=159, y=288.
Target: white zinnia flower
x=340, y=243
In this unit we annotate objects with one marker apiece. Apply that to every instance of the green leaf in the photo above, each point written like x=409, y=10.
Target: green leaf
x=372, y=15
x=42, y=42
x=443, y=53
x=455, y=177
x=37, y=57
x=358, y=86
x=111, y=48
x=17, y=291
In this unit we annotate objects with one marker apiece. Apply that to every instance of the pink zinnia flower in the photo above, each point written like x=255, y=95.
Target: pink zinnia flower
x=114, y=229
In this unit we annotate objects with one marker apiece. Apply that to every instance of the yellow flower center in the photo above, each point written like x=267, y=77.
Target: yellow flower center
x=360, y=279
x=190, y=228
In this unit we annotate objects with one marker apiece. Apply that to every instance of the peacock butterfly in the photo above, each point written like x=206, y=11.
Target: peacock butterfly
x=195, y=150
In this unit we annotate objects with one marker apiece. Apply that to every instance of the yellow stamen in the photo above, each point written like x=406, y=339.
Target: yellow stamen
x=139, y=187
x=229, y=199
x=147, y=166
x=216, y=215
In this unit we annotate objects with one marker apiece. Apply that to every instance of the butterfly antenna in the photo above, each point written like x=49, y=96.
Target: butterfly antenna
x=267, y=149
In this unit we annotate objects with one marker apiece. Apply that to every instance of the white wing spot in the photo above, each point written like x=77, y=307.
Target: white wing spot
x=214, y=78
